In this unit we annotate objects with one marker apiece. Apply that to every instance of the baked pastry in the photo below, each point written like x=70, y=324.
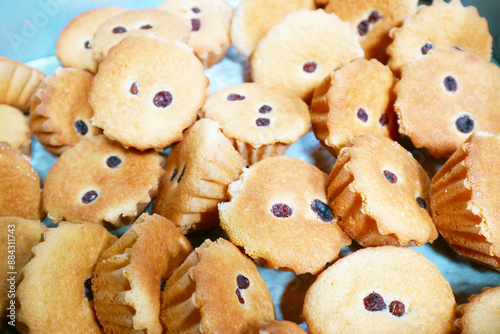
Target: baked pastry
x=380, y=194
x=150, y=22
x=60, y=112
x=302, y=68
x=339, y=111
x=18, y=83
x=55, y=292
x=15, y=129
x=198, y=171
x=16, y=240
x=135, y=268
x=100, y=181
x=261, y=121
x=210, y=21
x=380, y=290
x=441, y=25
x=296, y=229
x=280, y=327
x=440, y=101
x=216, y=290
x=74, y=43
x=147, y=92
x=481, y=314
x=464, y=199
x=372, y=20
x=253, y=18
x=20, y=193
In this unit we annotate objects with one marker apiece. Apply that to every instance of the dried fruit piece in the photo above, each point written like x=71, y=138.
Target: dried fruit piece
x=421, y=202
x=133, y=89
x=262, y=121
x=81, y=127
x=374, y=17
x=87, y=289
x=464, y=124
x=240, y=298
x=119, y=30
x=281, y=210
x=323, y=211
x=310, y=67
x=384, y=119
x=265, y=109
x=450, y=84
x=235, y=97
x=113, y=161
x=397, y=308
x=242, y=281
x=390, y=176
x=89, y=196
x=374, y=302
x=362, y=115
x=162, y=99
x=195, y=24
x=146, y=26
x=426, y=48
x=363, y=27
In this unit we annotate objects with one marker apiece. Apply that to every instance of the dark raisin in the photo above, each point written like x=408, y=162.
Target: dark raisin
x=450, y=84
x=310, y=67
x=426, y=48
x=281, y=210
x=235, y=97
x=374, y=302
x=374, y=17
x=397, y=308
x=81, y=127
x=362, y=115
x=173, y=174
x=119, y=30
x=363, y=27
x=421, y=202
x=322, y=210
x=182, y=174
x=87, y=289
x=133, y=89
x=391, y=177
x=162, y=285
x=458, y=47
x=89, y=196
x=464, y=124
x=195, y=24
x=384, y=119
x=265, y=109
x=242, y=281
x=240, y=298
x=195, y=10
x=162, y=99
x=262, y=121
x=87, y=45
x=146, y=26
x=113, y=161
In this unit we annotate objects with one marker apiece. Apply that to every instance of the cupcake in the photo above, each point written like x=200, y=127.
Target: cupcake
x=15, y=129
x=18, y=83
x=481, y=314
x=74, y=43
x=20, y=191
x=99, y=181
x=55, y=292
x=261, y=121
x=279, y=327
x=18, y=237
x=356, y=98
x=464, y=199
x=210, y=21
x=278, y=213
x=216, y=290
x=60, y=112
x=383, y=289
x=135, y=268
x=198, y=171
x=380, y=194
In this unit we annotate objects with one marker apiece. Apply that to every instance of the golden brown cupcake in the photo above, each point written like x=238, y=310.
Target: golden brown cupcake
x=380, y=290
x=198, y=171
x=380, y=194
x=481, y=314
x=442, y=25
x=100, y=181
x=74, y=43
x=261, y=121
x=135, y=268
x=18, y=236
x=20, y=191
x=278, y=213
x=15, y=129
x=60, y=112
x=18, y=83
x=464, y=199
x=55, y=292
x=354, y=99
x=216, y=290
x=210, y=21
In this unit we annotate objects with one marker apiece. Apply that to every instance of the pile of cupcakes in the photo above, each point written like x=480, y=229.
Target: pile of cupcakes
x=146, y=156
